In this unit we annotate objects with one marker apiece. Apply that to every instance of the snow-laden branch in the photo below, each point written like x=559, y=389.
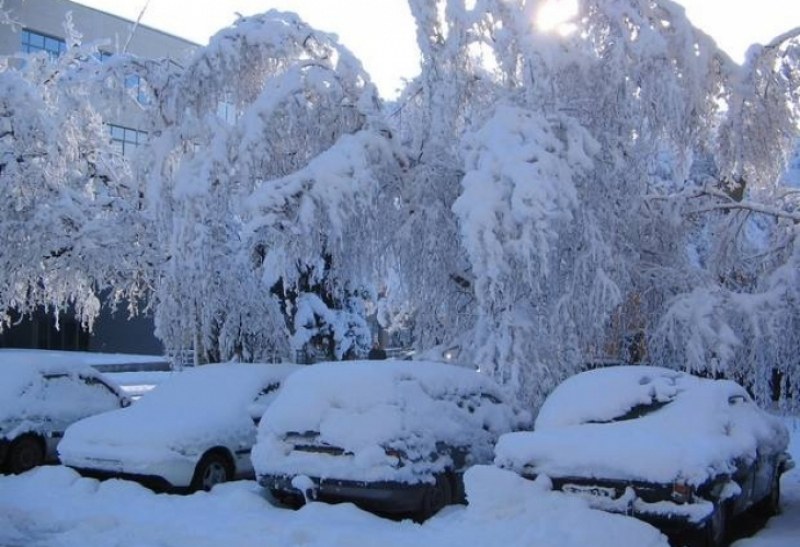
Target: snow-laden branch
x=727, y=203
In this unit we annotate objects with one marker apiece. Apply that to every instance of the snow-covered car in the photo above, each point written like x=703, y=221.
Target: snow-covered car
x=681, y=452
x=191, y=432
x=390, y=436
x=39, y=399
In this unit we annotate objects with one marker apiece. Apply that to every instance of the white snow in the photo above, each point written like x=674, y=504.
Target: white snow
x=101, y=361
x=195, y=410
x=696, y=435
x=38, y=395
x=55, y=507
x=365, y=407
x=135, y=384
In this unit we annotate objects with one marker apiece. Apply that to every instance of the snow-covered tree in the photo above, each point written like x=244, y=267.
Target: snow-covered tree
x=296, y=173
x=72, y=224
x=632, y=77
x=739, y=318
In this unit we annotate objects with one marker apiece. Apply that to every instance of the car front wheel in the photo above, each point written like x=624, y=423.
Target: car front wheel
x=24, y=454
x=212, y=469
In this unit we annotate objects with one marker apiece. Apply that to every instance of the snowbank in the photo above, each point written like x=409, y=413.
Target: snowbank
x=55, y=507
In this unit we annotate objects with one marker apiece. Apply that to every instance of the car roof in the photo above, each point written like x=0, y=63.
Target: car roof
x=612, y=393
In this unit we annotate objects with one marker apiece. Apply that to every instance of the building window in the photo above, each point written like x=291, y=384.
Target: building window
x=136, y=86
x=125, y=139
x=33, y=42
x=227, y=112
x=133, y=82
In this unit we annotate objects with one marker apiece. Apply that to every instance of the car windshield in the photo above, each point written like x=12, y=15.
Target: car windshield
x=611, y=394
x=637, y=411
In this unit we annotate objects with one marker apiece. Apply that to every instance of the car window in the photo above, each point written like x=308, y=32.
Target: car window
x=641, y=410
x=635, y=412
x=98, y=383
x=72, y=397
x=263, y=400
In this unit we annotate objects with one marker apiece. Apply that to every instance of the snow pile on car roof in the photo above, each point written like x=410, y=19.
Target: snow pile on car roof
x=26, y=395
x=604, y=394
x=643, y=423
x=207, y=403
x=364, y=407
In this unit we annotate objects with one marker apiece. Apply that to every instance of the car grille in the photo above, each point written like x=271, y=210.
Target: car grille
x=648, y=492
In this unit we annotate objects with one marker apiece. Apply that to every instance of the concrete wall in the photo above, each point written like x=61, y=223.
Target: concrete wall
x=48, y=16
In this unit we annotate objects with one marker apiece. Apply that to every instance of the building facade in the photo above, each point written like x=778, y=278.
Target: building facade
x=40, y=26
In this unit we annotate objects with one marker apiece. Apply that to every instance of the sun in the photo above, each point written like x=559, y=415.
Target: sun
x=556, y=16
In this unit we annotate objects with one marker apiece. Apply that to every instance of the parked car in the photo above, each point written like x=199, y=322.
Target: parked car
x=191, y=432
x=390, y=436
x=39, y=399
x=684, y=453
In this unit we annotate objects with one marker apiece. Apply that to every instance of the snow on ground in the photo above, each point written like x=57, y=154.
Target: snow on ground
x=54, y=506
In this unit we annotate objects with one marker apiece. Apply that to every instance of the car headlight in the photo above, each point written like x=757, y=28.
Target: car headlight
x=682, y=492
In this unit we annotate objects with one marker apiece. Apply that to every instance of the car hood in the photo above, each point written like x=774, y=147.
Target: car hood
x=128, y=428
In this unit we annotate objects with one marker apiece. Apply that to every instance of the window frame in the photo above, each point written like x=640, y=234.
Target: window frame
x=47, y=43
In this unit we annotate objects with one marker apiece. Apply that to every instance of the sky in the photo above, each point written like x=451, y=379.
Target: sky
x=381, y=32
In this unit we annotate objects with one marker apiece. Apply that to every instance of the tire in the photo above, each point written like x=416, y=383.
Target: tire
x=25, y=453
x=292, y=501
x=212, y=469
x=716, y=530
x=435, y=498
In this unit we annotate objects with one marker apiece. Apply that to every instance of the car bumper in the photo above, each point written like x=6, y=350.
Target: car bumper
x=668, y=516
x=154, y=482
x=165, y=472
x=3, y=452
x=674, y=518
x=382, y=496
